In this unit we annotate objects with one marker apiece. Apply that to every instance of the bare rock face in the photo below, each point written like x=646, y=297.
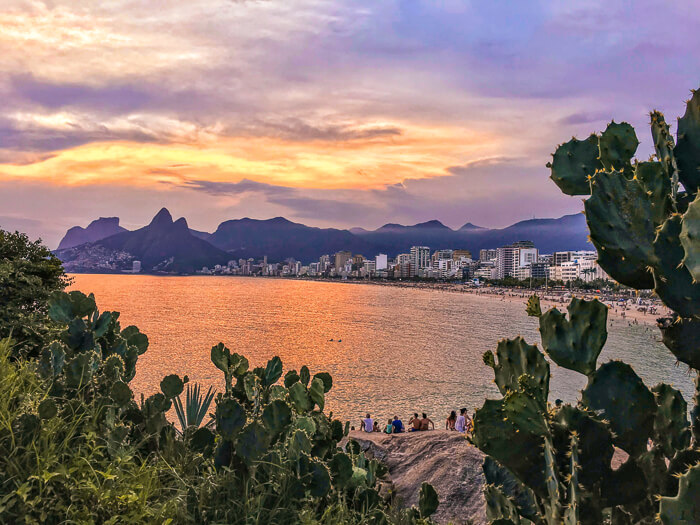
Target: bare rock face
x=442, y=458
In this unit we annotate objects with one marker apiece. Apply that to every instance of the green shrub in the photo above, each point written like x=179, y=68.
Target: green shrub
x=75, y=446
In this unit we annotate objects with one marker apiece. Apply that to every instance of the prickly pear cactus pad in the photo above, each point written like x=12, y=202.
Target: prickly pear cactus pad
x=684, y=509
x=574, y=163
x=671, y=426
x=657, y=184
x=663, y=144
x=618, y=214
x=690, y=238
x=517, y=358
x=575, y=343
x=688, y=145
x=515, y=443
x=623, y=399
x=682, y=338
x=617, y=145
x=673, y=282
x=594, y=441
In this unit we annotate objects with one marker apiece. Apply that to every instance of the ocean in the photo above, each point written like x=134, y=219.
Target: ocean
x=391, y=351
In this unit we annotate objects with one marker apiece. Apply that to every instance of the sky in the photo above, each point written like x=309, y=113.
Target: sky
x=331, y=113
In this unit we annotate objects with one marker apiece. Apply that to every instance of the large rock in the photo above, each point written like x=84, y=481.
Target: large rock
x=442, y=458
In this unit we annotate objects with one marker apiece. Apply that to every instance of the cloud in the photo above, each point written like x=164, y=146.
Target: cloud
x=342, y=113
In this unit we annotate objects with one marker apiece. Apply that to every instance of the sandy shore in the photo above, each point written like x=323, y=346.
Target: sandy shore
x=647, y=313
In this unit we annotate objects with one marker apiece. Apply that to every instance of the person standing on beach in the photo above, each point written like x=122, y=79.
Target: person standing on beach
x=367, y=424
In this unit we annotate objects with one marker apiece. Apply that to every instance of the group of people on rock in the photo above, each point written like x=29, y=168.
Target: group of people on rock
x=461, y=423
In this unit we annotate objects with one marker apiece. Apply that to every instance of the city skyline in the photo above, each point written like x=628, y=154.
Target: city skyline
x=327, y=113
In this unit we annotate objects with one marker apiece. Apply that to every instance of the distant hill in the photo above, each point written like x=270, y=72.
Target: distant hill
x=163, y=245
x=96, y=230
x=280, y=238
x=569, y=232
x=170, y=246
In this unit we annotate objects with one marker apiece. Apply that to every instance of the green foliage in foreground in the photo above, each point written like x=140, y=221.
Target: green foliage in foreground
x=75, y=447
x=552, y=465
x=29, y=274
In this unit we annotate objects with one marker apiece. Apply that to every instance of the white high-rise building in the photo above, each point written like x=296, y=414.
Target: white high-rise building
x=381, y=262
x=420, y=257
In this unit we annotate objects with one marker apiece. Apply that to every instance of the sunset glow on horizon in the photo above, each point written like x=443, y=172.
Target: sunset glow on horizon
x=326, y=112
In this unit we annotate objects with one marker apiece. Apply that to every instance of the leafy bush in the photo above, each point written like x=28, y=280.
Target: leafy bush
x=29, y=274
x=552, y=465
x=75, y=446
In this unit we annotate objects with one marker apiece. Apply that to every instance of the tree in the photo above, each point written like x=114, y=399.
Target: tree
x=29, y=274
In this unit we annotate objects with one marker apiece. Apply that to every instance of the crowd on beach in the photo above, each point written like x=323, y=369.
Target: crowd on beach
x=459, y=423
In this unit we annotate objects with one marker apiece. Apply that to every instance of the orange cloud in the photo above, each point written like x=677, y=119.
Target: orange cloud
x=418, y=152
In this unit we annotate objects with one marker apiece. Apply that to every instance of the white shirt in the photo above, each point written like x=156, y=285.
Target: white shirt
x=369, y=424
x=461, y=424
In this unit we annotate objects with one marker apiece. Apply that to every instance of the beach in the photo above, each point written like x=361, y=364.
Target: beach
x=645, y=313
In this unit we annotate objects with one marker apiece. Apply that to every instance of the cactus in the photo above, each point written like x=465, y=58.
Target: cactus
x=427, y=500
x=653, y=179
x=671, y=426
x=575, y=343
x=682, y=338
x=690, y=238
x=574, y=164
x=664, y=146
x=644, y=225
x=617, y=215
x=623, y=399
x=172, y=386
x=517, y=358
x=273, y=371
x=276, y=417
x=617, y=145
x=687, y=150
x=673, y=283
x=683, y=509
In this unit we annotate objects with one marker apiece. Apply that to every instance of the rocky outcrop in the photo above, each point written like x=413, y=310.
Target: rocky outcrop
x=97, y=230
x=442, y=458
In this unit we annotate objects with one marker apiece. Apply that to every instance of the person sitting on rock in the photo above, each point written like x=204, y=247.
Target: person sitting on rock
x=398, y=425
x=425, y=422
x=415, y=423
x=376, y=427
x=451, y=420
x=461, y=423
x=389, y=429
x=367, y=424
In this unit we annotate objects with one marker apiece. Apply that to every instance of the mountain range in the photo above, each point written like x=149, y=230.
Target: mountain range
x=171, y=246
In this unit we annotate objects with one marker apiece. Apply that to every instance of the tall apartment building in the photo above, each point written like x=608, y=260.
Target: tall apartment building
x=513, y=256
x=488, y=255
x=403, y=258
x=340, y=259
x=381, y=262
x=420, y=257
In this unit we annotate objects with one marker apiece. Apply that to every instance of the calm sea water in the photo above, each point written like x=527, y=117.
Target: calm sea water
x=389, y=350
